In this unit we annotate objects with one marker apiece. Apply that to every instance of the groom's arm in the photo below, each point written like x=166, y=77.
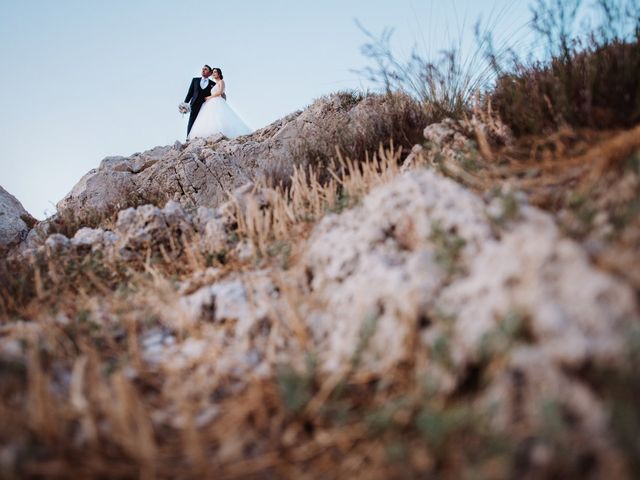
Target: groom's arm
x=189, y=93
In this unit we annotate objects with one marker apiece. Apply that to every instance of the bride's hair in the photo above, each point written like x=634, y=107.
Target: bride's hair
x=219, y=72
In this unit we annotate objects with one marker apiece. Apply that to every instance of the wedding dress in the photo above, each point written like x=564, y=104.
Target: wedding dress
x=216, y=116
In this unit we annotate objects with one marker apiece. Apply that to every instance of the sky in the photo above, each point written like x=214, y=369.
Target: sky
x=85, y=79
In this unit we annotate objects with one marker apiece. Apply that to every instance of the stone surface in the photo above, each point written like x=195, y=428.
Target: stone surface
x=381, y=248
x=525, y=294
x=138, y=229
x=15, y=221
x=201, y=171
x=548, y=282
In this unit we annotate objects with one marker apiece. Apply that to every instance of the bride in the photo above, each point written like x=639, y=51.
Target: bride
x=216, y=116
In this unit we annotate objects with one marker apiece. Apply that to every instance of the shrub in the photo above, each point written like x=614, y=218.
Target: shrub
x=446, y=84
x=588, y=80
x=582, y=80
x=596, y=87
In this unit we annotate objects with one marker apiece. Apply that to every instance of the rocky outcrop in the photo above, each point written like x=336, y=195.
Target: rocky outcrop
x=422, y=258
x=383, y=248
x=199, y=172
x=423, y=244
x=446, y=306
x=15, y=221
x=138, y=231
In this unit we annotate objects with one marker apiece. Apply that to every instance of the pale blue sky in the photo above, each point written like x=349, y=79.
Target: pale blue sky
x=85, y=79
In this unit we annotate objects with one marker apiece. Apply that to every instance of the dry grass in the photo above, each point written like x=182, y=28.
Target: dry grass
x=594, y=88
x=372, y=121
x=80, y=399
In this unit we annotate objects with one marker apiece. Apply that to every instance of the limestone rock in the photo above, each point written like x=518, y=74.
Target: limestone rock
x=374, y=265
x=56, y=244
x=91, y=238
x=201, y=171
x=140, y=228
x=15, y=221
x=573, y=311
x=100, y=190
x=527, y=296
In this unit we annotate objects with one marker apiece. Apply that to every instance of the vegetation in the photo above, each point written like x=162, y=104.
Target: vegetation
x=373, y=121
x=590, y=80
x=104, y=372
x=584, y=79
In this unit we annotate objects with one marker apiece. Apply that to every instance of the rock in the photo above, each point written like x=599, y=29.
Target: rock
x=547, y=281
x=444, y=134
x=415, y=158
x=533, y=391
x=117, y=164
x=224, y=300
x=93, y=239
x=228, y=301
x=215, y=237
x=15, y=221
x=232, y=316
x=528, y=302
x=87, y=237
x=138, y=229
x=56, y=244
x=97, y=193
x=155, y=344
x=449, y=146
x=147, y=226
x=203, y=216
x=36, y=236
x=201, y=171
x=175, y=216
x=382, y=248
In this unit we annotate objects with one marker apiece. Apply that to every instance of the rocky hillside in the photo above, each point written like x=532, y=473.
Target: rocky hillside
x=269, y=307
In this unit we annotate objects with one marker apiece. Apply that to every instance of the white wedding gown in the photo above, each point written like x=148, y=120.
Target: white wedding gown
x=216, y=116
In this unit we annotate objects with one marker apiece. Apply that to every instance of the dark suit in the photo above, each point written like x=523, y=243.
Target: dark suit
x=195, y=97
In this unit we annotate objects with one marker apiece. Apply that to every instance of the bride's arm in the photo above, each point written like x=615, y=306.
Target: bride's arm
x=219, y=92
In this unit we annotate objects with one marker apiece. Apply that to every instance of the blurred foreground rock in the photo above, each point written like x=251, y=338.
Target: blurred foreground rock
x=421, y=257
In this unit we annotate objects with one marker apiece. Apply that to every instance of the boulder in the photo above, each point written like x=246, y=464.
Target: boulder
x=520, y=307
x=15, y=221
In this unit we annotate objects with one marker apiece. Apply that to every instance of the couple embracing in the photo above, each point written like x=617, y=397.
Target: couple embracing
x=210, y=113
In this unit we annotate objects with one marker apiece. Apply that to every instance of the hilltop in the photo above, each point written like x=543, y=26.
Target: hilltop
x=355, y=290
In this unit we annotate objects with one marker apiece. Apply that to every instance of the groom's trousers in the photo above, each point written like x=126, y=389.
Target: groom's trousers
x=195, y=109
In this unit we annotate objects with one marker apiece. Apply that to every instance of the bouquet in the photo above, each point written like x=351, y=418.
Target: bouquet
x=184, y=108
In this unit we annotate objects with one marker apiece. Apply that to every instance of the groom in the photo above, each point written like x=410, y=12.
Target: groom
x=199, y=90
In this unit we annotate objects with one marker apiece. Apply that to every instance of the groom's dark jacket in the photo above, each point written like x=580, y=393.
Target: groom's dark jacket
x=195, y=97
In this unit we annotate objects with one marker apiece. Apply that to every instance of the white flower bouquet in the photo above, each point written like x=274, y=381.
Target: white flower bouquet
x=184, y=108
